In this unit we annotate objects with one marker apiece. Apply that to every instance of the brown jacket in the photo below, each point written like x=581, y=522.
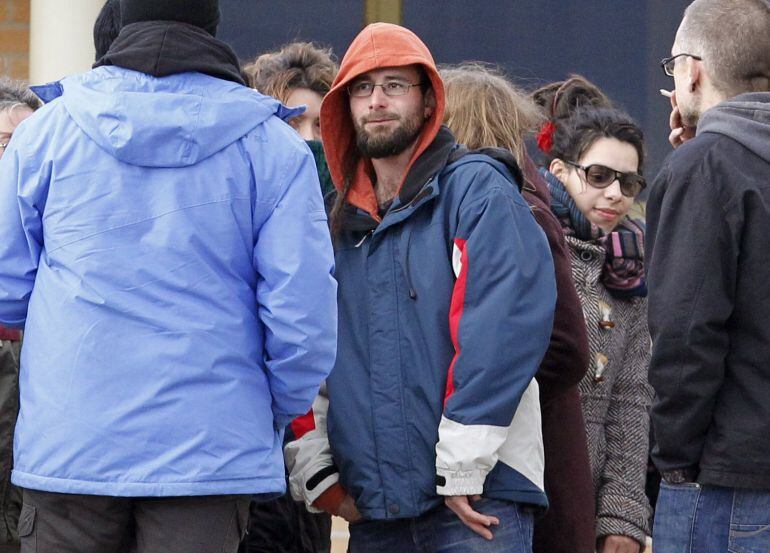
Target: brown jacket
x=568, y=526
x=615, y=397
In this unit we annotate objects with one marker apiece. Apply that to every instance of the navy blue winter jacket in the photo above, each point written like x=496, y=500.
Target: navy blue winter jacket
x=446, y=309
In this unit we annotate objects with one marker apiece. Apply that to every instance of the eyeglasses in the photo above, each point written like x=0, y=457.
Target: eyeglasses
x=600, y=176
x=668, y=63
x=364, y=89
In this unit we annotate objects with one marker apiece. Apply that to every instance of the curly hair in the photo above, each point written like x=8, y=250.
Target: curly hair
x=294, y=65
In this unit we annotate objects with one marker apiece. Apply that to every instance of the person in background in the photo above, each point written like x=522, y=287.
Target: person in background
x=17, y=103
x=297, y=74
x=485, y=110
x=709, y=222
x=434, y=412
x=593, y=166
x=166, y=249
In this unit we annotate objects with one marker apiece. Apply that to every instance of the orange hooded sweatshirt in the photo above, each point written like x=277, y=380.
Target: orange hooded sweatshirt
x=378, y=46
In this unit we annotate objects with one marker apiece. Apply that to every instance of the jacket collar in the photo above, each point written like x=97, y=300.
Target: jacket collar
x=419, y=187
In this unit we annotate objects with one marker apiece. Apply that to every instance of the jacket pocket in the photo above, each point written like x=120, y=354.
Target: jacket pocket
x=27, y=528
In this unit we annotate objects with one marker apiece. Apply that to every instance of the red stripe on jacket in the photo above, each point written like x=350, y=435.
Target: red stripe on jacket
x=456, y=314
x=302, y=425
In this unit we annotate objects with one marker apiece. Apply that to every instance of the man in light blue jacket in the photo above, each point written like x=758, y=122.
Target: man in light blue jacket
x=165, y=247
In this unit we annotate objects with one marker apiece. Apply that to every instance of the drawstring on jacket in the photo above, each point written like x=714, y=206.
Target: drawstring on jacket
x=407, y=272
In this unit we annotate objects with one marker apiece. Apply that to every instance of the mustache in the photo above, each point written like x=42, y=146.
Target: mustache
x=381, y=116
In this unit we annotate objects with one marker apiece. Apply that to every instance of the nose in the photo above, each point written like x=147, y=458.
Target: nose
x=378, y=98
x=305, y=130
x=613, y=190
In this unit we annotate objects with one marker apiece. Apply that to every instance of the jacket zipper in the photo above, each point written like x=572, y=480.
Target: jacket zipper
x=361, y=242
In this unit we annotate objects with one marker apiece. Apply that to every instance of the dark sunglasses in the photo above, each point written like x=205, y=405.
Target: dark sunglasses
x=599, y=176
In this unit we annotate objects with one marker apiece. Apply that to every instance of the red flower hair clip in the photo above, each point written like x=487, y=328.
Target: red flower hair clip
x=545, y=136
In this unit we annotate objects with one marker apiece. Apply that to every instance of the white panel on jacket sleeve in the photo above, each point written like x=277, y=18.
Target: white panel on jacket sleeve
x=523, y=449
x=468, y=447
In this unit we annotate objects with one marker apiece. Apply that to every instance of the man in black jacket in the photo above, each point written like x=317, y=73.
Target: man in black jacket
x=709, y=282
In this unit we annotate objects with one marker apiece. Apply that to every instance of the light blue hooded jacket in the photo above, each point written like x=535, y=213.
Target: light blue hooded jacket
x=165, y=241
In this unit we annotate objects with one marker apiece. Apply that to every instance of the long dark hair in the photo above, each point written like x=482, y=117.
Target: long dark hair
x=337, y=211
x=573, y=137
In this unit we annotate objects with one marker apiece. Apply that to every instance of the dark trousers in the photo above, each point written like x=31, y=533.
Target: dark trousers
x=70, y=523
x=285, y=526
x=10, y=495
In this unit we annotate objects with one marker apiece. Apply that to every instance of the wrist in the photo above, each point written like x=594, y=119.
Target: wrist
x=331, y=499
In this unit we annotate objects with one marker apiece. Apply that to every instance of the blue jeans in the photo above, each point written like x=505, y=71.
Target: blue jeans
x=691, y=518
x=441, y=531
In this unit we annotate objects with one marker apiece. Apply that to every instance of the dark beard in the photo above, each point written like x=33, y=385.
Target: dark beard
x=375, y=146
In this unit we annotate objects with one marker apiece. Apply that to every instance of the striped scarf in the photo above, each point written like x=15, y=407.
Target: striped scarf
x=623, y=270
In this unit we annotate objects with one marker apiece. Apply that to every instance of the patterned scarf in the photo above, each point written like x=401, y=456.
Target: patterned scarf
x=623, y=270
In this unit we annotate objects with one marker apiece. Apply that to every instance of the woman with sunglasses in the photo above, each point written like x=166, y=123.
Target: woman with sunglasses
x=594, y=158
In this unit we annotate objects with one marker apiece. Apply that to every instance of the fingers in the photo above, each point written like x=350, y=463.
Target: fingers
x=675, y=137
x=474, y=520
x=619, y=544
x=679, y=133
x=348, y=510
x=675, y=118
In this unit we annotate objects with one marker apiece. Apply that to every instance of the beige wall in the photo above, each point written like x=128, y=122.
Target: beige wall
x=61, y=38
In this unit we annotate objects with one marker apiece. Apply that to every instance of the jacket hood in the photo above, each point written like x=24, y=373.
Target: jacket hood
x=379, y=45
x=162, y=48
x=162, y=122
x=744, y=118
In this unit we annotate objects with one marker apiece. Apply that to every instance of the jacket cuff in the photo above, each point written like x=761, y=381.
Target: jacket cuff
x=310, y=489
x=607, y=526
x=617, y=515
x=330, y=499
x=460, y=482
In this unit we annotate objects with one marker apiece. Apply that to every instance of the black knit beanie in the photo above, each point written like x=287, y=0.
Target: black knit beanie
x=106, y=27
x=201, y=13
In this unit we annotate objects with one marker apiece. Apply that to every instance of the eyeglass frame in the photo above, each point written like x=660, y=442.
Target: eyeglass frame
x=408, y=87
x=617, y=177
x=665, y=61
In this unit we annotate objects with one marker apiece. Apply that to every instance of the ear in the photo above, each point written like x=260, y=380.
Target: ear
x=429, y=101
x=558, y=169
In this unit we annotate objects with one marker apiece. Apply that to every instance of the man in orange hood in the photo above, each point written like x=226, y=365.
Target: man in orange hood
x=446, y=298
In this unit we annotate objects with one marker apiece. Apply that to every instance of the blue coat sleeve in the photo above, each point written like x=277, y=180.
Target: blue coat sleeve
x=500, y=318
x=296, y=292
x=23, y=190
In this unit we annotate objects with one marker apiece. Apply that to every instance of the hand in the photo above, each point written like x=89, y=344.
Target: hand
x=618, y=544
x=461, y=506
x=348, y=510
x=679, y=133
